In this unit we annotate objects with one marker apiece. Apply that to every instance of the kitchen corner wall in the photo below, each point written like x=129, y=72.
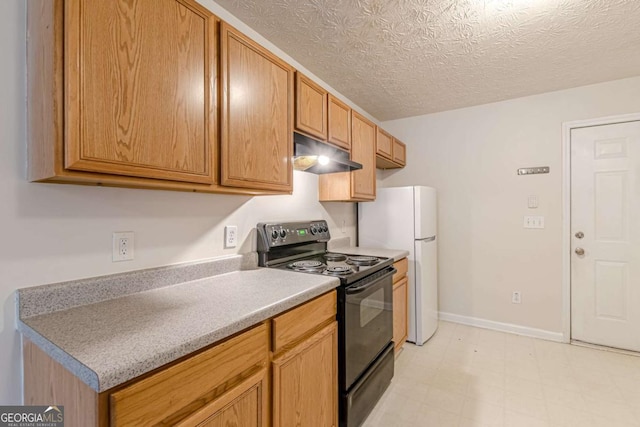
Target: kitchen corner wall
x=471, y=156
x=53, y=232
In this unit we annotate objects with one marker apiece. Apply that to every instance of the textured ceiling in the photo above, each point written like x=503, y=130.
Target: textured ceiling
x=401, y=58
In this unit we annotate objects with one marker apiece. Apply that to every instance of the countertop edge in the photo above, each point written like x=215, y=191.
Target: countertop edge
x=101, y=381
x=77, y=368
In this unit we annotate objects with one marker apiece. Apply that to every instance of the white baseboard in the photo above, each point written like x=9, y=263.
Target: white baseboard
x=503, y=327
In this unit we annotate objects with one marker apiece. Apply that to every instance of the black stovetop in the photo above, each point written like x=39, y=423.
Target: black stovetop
x=281, y=244
x=346, y=267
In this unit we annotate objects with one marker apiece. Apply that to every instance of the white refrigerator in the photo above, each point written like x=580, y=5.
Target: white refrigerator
x=405, y=218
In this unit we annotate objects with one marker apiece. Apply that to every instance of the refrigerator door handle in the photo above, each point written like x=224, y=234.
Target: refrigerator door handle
x=427, y=239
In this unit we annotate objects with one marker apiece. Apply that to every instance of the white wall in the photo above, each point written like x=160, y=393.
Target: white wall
x=53, y=232
x=471, y=155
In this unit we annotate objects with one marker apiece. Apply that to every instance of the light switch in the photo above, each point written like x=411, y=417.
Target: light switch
x=533, y=222
x=532, y=202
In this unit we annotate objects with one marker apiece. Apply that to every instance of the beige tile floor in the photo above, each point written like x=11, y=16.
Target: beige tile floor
x=467, y=377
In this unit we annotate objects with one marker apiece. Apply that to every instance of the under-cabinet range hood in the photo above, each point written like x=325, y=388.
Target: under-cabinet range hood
x=319, y=157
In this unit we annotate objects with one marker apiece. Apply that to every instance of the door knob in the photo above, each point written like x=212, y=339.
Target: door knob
x=579, y=251
x=579, y=234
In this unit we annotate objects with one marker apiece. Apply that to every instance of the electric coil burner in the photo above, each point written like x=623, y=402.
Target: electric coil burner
x=365, y=317
x=332, y=256
x=338, y=270
x=362, y=260
x=308, y=266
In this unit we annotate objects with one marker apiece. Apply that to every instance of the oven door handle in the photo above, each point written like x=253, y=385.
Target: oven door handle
x=351, y=290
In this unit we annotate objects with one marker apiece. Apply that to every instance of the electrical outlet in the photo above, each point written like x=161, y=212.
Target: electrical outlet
x=231, y=236
x=122, y=246
x=516, y=297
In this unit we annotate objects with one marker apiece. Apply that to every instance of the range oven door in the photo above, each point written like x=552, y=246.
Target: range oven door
x=358, y=402
x=367, y=323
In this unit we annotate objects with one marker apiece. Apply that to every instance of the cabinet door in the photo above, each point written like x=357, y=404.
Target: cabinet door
x=384, y=144
x=339, y=123
x=311, y=107
x=400, y=306
x=140, y=89
x=257, y=115
x=174, y=393
x=245, y=405
x=399, y=152
x=363, y=150
x=305, y=382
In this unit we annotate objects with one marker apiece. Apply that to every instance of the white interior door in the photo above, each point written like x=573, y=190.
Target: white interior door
x=605, y=241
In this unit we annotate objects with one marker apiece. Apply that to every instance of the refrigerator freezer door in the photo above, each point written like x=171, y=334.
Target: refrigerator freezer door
x=388, y=221
x=425, y=212
x=423, y=319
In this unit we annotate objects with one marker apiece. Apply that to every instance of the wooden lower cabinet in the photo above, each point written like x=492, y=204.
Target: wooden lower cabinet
x=400, y=304
x=305, y=364
x=245, y=405
x=227, y=384
x=305, y=382
x=400, y=312
x=195, y=387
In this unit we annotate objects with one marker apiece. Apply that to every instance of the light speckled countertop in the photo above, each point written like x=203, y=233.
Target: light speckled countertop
x=109, y=342
x=396, y=254
x=343, y=245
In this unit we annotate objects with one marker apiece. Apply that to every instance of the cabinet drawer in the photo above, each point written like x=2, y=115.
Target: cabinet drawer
x=178, y=391
x=295, y=324
x=402, y=266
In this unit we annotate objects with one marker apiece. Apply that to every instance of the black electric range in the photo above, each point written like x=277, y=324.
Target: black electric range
x=365, y=308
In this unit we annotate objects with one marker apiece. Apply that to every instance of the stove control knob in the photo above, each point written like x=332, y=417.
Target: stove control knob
x=283, y=233
x=325, y=228
x=314, y=230
x=274, y=234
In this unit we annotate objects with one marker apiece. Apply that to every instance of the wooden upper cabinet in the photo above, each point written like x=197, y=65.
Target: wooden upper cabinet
x=384, y=144
x=140, y=89
x=311, y=107
x=359, y=185
x=339, y=123
x=363, y=150
x=399, y=152
x=257, y=115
